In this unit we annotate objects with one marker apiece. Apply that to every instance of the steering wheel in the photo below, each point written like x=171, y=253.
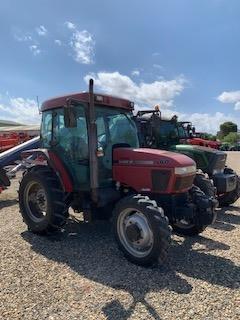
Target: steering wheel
x=107, y=159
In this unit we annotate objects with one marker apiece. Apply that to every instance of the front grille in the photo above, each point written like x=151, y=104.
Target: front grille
x=160, y=180
x=183, y=182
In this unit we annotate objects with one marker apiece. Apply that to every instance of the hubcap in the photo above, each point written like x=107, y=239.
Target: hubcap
x=35, y=201
x=134, y=232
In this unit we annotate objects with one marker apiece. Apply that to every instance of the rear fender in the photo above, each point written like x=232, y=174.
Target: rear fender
x=43, y=157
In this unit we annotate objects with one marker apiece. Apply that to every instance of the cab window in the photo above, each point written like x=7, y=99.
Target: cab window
x=46, y=129
x=72, y=141
x=114, y=127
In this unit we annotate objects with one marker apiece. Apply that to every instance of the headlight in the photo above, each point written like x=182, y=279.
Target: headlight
x=185, y=170
x=216, y=171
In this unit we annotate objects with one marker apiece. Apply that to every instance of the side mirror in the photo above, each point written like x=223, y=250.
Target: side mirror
x=193, y=130
x=70, y=119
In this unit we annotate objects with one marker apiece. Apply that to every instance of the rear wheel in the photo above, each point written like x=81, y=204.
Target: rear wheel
x=41, y=201
x=187, y=228
x=141, y=230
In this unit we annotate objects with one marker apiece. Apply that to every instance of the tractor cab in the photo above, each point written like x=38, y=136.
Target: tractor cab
x=66, y=132
x=186, y=130
x=158, y=132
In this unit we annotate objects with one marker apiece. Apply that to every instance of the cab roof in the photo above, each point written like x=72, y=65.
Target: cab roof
x=100, y=99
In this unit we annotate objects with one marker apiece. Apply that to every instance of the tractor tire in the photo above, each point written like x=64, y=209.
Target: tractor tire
x=230, y=197
x=194, y=227
x=41, y=201
x=205, y=184
x=141, y=230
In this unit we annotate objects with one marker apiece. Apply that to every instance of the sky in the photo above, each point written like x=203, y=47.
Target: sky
x=183, y=55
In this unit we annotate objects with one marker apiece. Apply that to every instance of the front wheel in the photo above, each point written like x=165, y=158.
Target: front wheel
x=204, y=214
x=141, y=230
x=205, y=184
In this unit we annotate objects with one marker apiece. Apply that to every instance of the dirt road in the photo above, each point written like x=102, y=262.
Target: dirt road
x=82, y=275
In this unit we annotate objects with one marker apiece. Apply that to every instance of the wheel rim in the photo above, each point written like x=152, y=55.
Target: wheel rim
x=35, y=201
x=134, y=232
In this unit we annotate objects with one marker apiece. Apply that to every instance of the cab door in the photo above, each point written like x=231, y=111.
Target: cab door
x=71, y=145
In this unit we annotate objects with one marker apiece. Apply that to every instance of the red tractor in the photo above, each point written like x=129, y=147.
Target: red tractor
x=12, y=139
x=90, y=160
x=196, y=138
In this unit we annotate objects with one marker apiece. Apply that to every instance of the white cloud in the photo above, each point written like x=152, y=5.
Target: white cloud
x=29, y=40
x=35, y=49
x=58, y=42
x=206, y=122
x=157, y=66
x=230, y=97
x=135, y=73
x=70, y=25
x=147, y=94
x=19, y=36
x=237, y=106
x=82, y=44
x=41, y=31
x=20, y=110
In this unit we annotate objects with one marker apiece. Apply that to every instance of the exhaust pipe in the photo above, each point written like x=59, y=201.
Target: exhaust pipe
x=92, y=142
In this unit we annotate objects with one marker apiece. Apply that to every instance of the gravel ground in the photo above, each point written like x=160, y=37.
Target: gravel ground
x=82, y=275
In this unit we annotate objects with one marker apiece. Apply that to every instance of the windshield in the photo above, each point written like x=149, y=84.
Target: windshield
x=166, y=133
x=182, y=132
x=115, y=126
x=167, y=129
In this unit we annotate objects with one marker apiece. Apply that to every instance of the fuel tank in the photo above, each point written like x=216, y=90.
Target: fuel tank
x=153, y=171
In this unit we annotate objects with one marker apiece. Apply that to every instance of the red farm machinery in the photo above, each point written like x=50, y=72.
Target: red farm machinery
x=90, y=160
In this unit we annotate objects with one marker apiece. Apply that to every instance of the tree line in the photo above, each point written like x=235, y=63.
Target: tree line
x=228, y=133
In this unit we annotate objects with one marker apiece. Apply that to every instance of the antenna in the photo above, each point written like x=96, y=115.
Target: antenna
x=38, y=104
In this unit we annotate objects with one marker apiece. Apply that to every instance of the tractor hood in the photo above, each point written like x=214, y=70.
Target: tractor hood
x=197, y=148
x=207, y=159
x=153, y=171
x=150, y=157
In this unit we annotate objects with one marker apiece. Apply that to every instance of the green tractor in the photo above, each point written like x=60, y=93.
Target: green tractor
x=214, y=178
x=90, y=161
